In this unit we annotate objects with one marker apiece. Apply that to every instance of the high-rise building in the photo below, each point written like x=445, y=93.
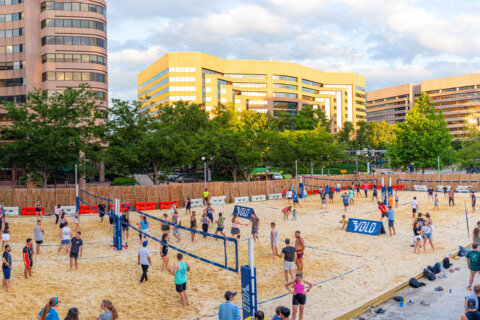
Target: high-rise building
x=458, y=97
x=51, y=45
x=262, y=86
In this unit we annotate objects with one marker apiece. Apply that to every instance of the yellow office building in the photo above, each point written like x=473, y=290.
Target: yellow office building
x=262, y=86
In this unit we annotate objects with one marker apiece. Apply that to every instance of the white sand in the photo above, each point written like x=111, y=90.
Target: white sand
x=382, y=263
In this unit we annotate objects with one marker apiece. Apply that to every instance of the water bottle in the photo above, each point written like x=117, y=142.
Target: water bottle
x=371, y=310
x=450, y=290
x=401, y=303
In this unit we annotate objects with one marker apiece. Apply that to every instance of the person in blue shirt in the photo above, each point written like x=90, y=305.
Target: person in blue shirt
x=228, y=310
x=346, y=199
x=49, y=312
x=295, y=200
x=144, y=228
x=391, y=219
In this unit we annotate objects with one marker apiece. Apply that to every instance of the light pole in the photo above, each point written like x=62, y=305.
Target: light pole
x=205, y=163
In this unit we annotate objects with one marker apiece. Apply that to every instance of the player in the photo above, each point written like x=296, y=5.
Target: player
x=344, y=221
x=188, y=205
x=193, y=224
x=274, y=240
x=101, y=211
x=38, y=233
x=254, y=220
x=300, y=247
x=28, y=258
x=383, y=210
x=375, y=193
x=76, y=248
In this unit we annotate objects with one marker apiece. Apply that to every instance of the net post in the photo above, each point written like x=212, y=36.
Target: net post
x=77, y=199
x=117, y=227
x=249, y=284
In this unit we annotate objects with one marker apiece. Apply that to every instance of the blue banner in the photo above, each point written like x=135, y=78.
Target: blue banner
x=384, y=195
x=300, y=191
x=243, y=212
x=364, y=226
x=249, y=291
x=390, y=191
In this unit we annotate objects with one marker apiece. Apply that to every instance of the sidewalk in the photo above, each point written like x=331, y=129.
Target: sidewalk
x=443, y=305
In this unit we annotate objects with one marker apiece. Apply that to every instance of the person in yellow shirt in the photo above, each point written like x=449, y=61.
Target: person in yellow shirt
x=205, y=197
x=390, y=200
x=343, y=221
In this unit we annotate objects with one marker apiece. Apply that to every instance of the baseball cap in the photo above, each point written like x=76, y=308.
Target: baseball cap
x=389, y=207
x=472, y=303
x=145, y=243
x=7, y=246
x=230, y=294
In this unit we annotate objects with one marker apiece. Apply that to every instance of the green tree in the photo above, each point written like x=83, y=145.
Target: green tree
x=380, y=135
x=53, y=133
x=309, y=118
x=470, y=153
x=422, y=137
x=361, y=135
x=345, y=135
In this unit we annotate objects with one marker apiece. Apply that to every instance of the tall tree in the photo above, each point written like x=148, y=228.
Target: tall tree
x=309, y=118
x=422, y=137
x=361, y=135
x=53, y=133
x=345, y=135
x=380, y=135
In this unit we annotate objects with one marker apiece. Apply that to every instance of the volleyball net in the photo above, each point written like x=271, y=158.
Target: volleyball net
x=210, y=248
x=316, y=182
x=458, y=186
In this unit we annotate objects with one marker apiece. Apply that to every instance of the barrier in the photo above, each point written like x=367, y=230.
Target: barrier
x=241, y=199
x=166, y=204
x=275, y=196
x=369, y=227
x=11, y=211
x=69, y=209
x=440, y=187
x=84, y=209
x=122, y=207
x=30, y=211
x=258, y=198
x=463, y=188
x=196, y=203
x=218, y=200
x=315, y=191
x=417, y=187
x=145, y=206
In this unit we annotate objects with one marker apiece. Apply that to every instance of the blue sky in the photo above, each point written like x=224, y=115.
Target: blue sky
x=389, y=42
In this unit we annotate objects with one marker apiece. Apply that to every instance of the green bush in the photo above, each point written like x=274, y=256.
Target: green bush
x=124, y=181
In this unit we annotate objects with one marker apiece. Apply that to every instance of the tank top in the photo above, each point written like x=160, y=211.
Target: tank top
x=298, y=288
x=181, y=274
x=276, y=235
x=235, y=225
x=193, y=223
x=220, y=222
x=5, y=230
x=204, y=220
x=165, y=248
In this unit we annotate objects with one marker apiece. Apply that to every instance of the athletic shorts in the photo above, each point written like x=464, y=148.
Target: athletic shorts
x=76, y=221
x=288, y=265
x=5, y=236
x=181, y=287
x=417, y=238
x=110, y=218
x=61, y=225
x=390, y=223
x=101, y=214
x=38, y=209
x=65, y=242
x=299, y=298
x=345, y=204
x=427, y=236
x=74, y=255
x=414, y=210
x=6, y=273
x=188, y=206
x=254, y=230
x=176, y=231
x=324, y=201
x=235, y=230
x=384, y=214
x=39, y=241
x=295, y=201
x=273, y=243
x=221, y=230
x=124, y=227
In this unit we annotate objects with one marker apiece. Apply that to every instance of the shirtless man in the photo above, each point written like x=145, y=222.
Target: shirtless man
x=300, y=247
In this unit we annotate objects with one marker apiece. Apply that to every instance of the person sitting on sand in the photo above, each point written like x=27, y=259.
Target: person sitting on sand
x=277, y=313
x=472, y=312
x=344, y=221
x=473, y=295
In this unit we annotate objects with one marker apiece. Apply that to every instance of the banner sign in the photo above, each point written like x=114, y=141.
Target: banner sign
x=300, y=191
x=364, y=226
x=249, y=291
x=243, y=212
x=384, y=195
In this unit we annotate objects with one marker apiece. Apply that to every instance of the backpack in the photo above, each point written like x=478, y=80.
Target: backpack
x=414, y=283
x=400, y=298
x=446, y=263
x=462, y=252
x=437, y=268
x=429, y=274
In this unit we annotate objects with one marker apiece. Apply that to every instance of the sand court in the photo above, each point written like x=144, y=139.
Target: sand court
x=351, y=268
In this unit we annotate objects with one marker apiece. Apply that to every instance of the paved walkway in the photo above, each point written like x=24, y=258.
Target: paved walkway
x=444, y=305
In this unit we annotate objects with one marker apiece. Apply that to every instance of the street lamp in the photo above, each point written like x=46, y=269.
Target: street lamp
x=205, y=163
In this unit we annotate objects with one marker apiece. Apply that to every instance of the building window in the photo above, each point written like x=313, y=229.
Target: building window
x=75, y=58
x=284, y=95
x=309, y=90
x=14, y=82
x=246, y=76
x=67, y=40
x=10, y=33
x=249, y=85
x=14, y=65
x=254, y=93
x=360, y=88
x=74, y=76
x=12, y=48
x=286, y=78
x=71, y=6
x=73, y=23
x=284, y=106
x=284, y=86
x=360, y=102
x=311, y=83
x=11, y=17
x=9, y=2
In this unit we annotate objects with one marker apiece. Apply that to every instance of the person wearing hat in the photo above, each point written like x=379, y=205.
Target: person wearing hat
x=472, y=312
x=229, y=310
x=6, y=266
x=391, y=220
x=144, y=260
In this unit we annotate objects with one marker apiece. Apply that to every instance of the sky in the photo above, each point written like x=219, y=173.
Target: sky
x=390, y=42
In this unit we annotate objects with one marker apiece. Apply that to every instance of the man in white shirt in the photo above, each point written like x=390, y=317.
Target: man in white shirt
x=414, y=207
x=144, y=260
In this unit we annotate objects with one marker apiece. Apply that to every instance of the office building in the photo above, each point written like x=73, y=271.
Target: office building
x=458, y=97
x=261, y=86
x=51, y=45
